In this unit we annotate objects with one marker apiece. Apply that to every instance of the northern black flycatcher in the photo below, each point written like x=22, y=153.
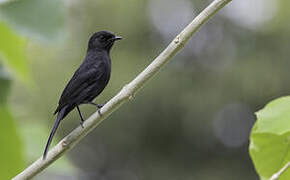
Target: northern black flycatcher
x=88, y=81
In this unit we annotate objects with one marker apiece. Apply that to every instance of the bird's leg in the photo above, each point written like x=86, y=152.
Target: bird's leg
x=82, y=119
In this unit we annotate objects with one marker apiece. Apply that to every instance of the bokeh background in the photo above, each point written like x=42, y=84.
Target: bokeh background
x=192, y=121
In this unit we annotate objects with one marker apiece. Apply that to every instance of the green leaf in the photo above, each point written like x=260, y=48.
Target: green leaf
x=36, y=18
x=270, y=139
x=12, y=53
x=11, y=150
x=270, y=153
x=4, y=86
x=275, y=117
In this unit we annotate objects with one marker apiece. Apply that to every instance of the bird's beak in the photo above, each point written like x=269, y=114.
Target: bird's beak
x=117, y=38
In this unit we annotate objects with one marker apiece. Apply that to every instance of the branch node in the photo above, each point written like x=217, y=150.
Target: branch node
x=64, y=143
x=125, y=87
x=177, y=39
x=127, y=92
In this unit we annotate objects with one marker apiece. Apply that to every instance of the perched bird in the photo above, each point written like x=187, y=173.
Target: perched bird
x=88, y=81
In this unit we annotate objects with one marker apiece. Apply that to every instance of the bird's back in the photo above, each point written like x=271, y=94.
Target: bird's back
x=88, y=81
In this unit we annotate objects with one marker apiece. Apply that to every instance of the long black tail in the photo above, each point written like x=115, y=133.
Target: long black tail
x=59, y=117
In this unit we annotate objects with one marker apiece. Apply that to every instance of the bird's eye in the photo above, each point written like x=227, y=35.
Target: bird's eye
x=102, y=37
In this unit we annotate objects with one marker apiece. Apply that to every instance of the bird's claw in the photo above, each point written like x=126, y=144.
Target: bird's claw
x=99, y=112
x=99, y=106
x=82, y=123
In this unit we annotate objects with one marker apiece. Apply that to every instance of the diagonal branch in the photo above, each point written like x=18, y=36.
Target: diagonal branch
x=127, y=93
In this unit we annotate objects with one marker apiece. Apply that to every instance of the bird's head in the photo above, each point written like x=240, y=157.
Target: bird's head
x=103, y=40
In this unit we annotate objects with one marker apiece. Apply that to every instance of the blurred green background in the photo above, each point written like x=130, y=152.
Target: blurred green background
x=192, y=121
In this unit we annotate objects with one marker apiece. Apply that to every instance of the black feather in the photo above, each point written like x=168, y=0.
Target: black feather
x=89, y=80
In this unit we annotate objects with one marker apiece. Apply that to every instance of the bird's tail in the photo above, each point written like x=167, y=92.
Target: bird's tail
x=59, y=117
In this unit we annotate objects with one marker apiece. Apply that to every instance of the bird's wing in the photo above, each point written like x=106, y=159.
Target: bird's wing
x=82, y=79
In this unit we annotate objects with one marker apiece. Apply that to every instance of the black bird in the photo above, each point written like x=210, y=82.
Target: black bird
x=88, y=81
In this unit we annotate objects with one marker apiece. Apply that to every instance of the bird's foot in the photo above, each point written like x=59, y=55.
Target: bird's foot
x=99, y=106
x=82, y=123
x=99, y=112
